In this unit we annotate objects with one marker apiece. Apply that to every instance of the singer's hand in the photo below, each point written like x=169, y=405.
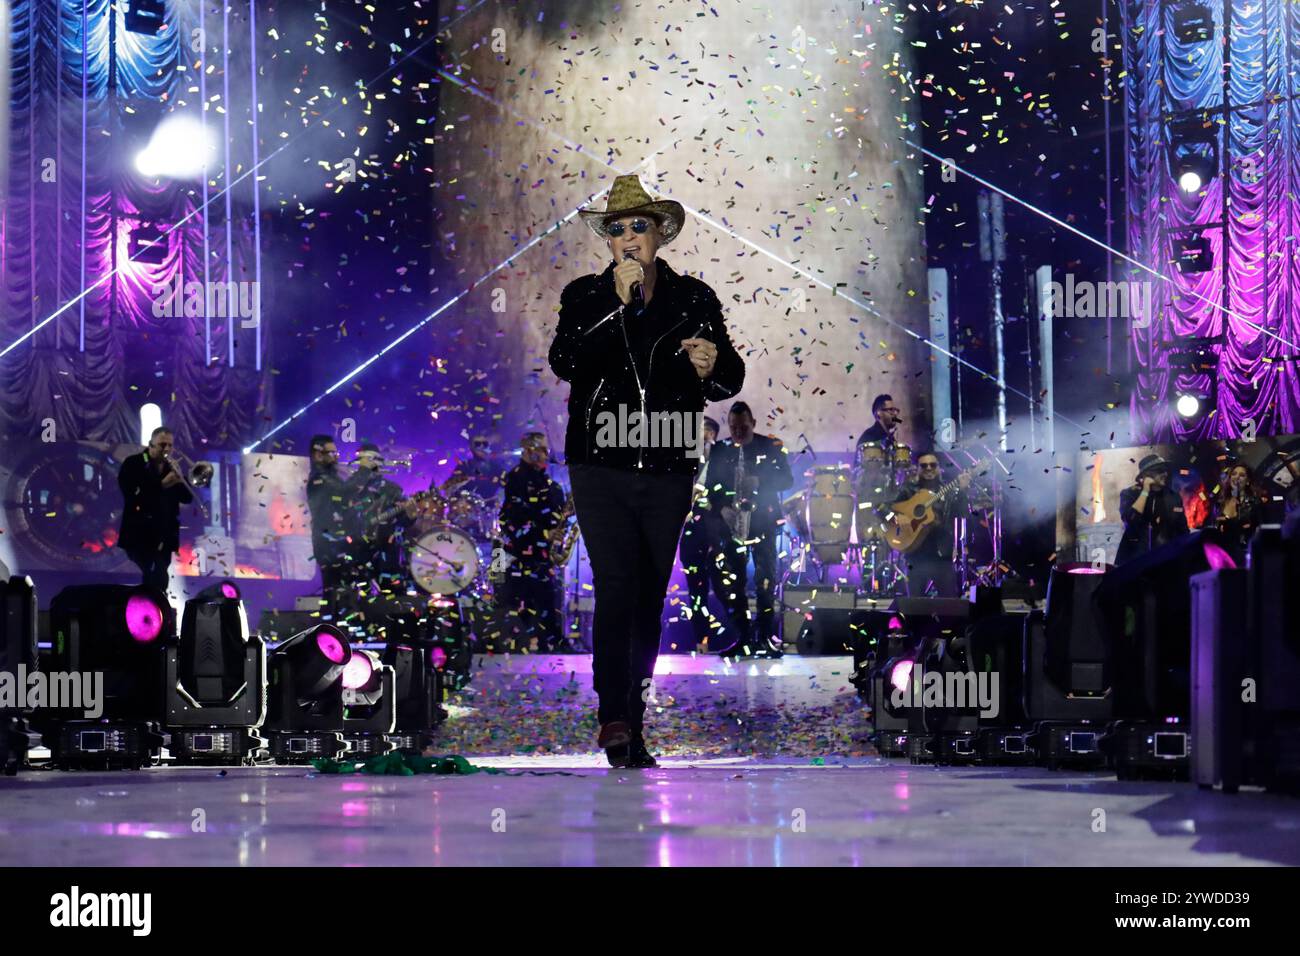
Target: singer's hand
x=626, y=274
x=703, y=355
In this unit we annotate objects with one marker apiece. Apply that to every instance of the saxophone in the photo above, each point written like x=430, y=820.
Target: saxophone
x=564, y=535
x=743, y=507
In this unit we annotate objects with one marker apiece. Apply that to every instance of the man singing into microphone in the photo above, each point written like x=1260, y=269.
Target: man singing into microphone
x=641, y=336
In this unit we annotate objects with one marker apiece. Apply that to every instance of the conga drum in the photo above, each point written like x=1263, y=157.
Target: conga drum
x=831, y=504
x=796, y=518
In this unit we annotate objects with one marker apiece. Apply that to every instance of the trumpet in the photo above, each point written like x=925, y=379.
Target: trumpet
x=200, y=473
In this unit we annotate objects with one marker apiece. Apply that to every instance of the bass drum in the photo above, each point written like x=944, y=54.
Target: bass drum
x=444, y=561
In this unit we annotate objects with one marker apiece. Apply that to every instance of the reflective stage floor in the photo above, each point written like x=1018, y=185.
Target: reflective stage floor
x=764, y=764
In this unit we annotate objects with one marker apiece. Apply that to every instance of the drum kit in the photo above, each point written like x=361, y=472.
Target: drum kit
x=454, y=544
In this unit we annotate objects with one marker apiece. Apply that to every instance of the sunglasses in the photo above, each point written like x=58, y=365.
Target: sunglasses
x=481, y=444
x=929, y=464
x=617, y=229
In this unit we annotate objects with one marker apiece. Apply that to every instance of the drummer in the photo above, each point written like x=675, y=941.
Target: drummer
x=481, y=474
x=879, y=455
x=882, y=433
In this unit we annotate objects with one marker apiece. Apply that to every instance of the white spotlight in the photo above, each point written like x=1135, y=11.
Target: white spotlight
x=1187, y=405
x=1190, y=181
x=150, y=418
x=180, y=148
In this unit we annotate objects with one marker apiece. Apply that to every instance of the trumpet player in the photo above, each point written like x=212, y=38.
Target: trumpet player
x=533, y=517
x=745, y=478
x=153, y=491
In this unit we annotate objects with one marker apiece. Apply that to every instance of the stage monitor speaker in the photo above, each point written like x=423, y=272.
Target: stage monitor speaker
x=1146, y=606
x=817, y=619
x=1220, y=656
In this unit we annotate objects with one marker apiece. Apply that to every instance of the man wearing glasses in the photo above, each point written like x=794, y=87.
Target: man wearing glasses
x=929, y=567
x=636, y=341
x=480, y=474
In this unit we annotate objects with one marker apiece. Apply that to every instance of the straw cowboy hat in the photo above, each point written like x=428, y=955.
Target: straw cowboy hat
x=627, y=197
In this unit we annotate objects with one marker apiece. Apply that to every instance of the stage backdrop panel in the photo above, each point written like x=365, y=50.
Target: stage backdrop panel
x=776, y=126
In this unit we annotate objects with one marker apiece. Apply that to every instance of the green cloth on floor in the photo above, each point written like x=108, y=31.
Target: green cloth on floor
x=408, y=765
x=402, y=765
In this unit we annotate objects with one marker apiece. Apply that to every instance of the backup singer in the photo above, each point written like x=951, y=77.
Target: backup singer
x=701, y=550
x=152, y=494
x=533, y=511
x=645, y=338
x=327, y=501
x=766, y=473
x=1152, y=512
x=929, y=567
x=1238, y=510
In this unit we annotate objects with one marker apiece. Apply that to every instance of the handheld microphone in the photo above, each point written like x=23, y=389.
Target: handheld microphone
x=638, y=295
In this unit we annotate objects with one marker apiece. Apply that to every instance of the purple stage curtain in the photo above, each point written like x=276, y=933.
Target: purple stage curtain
x=1247, y=212
x=85, y=95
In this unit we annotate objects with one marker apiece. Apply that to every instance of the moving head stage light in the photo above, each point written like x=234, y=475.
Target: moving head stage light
x=215, y=681
x=1067, y=675
x=305, y=717
x=17, y=660
x=369, y=705
x=417, y=696
x=118, y=633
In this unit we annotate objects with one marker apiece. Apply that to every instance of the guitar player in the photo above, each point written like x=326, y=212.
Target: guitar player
x=929, y=567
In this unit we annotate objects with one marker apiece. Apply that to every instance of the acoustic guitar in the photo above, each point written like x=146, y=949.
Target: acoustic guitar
x=911, y=521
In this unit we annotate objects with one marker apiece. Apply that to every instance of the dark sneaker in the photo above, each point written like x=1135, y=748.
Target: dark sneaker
x=639, y=758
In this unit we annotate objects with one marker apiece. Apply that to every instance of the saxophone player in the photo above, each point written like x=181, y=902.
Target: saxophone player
x=533, y=517
x=745, y=478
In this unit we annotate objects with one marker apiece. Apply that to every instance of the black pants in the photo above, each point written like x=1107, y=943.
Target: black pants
x=529, y=598
x=703, y=561
x=334, y=588
x=153, y=565
x=631, y=523
x=737, y=556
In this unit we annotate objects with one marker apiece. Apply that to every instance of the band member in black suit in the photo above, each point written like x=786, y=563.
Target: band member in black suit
x=327, y=501
x=1239, y=509
x=702, y=553
x=1152, y=512
x=531, y=516
x=152, y=492
x=929, y=567
x=745, y=479
x=379, y=514
x=639, y=338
